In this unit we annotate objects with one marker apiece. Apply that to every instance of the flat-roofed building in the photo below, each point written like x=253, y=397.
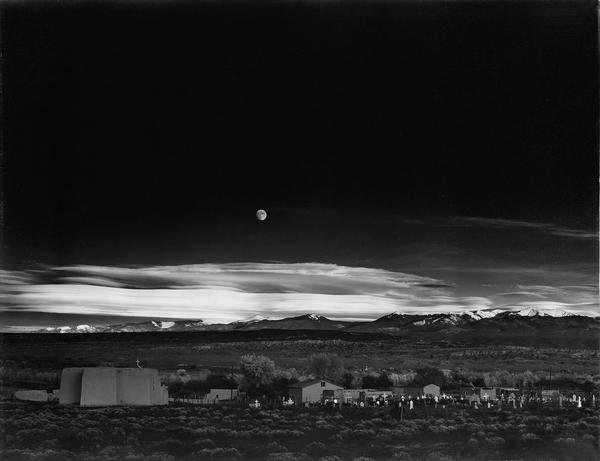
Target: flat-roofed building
x=103, y=386
x=220, y=395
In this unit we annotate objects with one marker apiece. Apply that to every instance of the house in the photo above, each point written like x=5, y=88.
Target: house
x=407, y=392
x=431, y=390
x=506, y=391
x=310, y=391
x=103, y=386
x=357, y=395
x=220, y=395
x=487, y=393
x=348, y=395
x=478, y=393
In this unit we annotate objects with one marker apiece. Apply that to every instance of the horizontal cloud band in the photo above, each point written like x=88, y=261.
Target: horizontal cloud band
x=219, y=293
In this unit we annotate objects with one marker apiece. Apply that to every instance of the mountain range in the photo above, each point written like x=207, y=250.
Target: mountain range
x=396, y=323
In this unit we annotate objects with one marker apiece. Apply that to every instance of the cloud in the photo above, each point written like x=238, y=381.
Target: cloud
x=219, y=293
x=547, y=228
x=572, y=298
x=228, y=292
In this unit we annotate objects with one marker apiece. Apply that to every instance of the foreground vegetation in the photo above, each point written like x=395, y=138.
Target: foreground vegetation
x=289, y=350
x=51, y=432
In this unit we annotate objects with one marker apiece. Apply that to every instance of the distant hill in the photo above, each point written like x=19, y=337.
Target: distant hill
x=502, y=327
x=302, y=322
x=484, y=326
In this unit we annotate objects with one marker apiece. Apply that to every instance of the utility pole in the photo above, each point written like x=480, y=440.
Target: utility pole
x=230, y=388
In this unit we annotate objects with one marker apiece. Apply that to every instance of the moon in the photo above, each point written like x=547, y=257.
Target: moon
x=261, y=215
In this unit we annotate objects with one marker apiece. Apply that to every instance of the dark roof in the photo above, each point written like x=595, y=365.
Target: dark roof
x=310, y=382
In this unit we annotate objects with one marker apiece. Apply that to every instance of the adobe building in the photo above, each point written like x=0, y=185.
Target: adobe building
x=431, y=390
x=310, y=391
x=103, y=386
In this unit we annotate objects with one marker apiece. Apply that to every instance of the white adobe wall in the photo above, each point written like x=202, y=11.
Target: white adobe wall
x=70, y=386
x=133, y=386
x=32, y=396
x=112, y=386
x=99, y=387
x=159, y=395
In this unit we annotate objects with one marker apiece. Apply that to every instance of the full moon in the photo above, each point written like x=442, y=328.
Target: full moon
x=261, y=215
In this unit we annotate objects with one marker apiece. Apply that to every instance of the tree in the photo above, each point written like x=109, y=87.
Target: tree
x=478, y=382
x=384, y=382
x=348, y=380
x=257, y=369
x=375, y=381
x=325, y=365
x=589, y=387
x=429, y=375
x=220, y=381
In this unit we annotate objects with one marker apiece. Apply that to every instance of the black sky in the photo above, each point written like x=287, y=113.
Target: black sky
x=151, y=132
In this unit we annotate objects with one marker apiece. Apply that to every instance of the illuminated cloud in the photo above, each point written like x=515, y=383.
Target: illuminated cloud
x=229, y=292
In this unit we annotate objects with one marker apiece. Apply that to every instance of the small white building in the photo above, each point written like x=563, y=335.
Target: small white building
x=220, y=395
x=431, y=390
x=103, y=386
x=311, y=391
x=33, y=395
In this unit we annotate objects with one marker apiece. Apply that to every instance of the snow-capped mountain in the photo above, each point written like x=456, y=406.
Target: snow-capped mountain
x=302, y=322
x=532, y=312
x=394, y=323
x=162, y=324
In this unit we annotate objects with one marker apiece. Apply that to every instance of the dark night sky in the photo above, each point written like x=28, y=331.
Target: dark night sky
x=131, y=131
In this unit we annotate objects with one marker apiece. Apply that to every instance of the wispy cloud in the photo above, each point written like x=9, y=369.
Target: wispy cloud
x=546, y=228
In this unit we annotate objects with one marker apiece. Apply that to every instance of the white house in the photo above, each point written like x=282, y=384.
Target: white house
x=431, y=390
x=219, y=395
x=310, y=391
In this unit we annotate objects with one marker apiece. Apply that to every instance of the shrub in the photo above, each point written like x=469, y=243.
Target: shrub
x=221, y=454
x=203, y=443
x=315, y=448
x=496, y=441
x=288, y=457
x=529, y=437
x=274, y=447
x=472, y=444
